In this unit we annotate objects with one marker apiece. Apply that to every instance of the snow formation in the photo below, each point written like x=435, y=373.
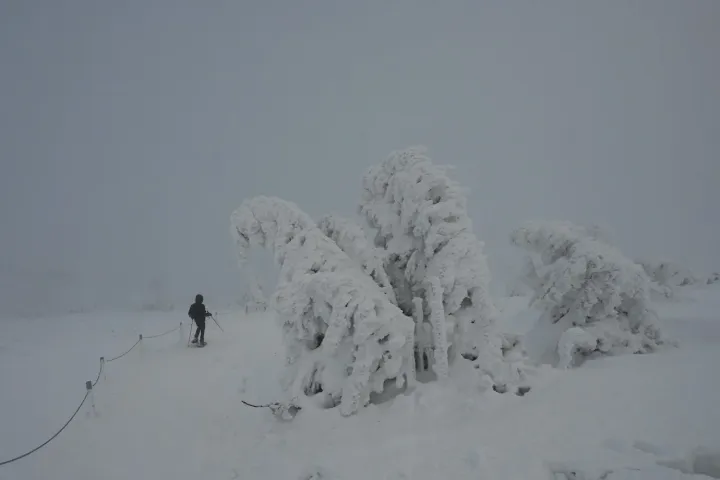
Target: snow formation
x=595, y=301
x=670, y=274
x=344, y=338
x=435, y=263
x=668, y=278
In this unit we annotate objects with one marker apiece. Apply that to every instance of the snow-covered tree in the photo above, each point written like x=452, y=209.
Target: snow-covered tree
x=434, y=261
x=668, y=278
x=595, y=300
x=351, y=239
x=255, y=300
x=344, y=338
x=669, y=274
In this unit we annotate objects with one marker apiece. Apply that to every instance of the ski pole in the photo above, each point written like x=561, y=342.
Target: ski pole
x=216, y=323
x=190, y=333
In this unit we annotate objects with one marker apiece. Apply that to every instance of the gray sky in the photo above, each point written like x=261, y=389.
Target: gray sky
x=129, y=131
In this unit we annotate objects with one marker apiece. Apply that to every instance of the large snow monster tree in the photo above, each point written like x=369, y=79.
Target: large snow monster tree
x=435, y=264
x=344, y=337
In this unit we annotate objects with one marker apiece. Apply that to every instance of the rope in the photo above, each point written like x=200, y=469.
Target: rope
x=283, y=411
x=160, y=335
x=120, y=356
x=256, y=406
x=102, y=366
x=51, y=438
x=100, y=371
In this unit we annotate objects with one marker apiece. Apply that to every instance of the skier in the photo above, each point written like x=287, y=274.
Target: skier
x=198, y=313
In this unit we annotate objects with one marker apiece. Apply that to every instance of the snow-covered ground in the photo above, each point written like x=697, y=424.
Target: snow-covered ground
x=166, y=411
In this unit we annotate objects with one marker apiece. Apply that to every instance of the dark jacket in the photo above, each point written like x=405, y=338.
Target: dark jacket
x=198, y=312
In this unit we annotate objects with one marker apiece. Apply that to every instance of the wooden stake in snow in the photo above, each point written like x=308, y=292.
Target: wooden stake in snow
x=91, y=396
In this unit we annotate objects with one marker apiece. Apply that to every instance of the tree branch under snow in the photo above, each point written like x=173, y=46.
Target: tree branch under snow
x=351, y=239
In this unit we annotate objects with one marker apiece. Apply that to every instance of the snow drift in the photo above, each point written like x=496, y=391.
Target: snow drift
x=344, y=338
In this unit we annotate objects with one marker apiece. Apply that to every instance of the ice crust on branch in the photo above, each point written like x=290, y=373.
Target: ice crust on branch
x=351, y=239
x=344, y=338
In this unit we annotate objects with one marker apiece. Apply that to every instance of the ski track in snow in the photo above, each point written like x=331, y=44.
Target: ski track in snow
x=171, y=412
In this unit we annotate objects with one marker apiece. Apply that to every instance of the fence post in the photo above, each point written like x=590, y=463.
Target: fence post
x=142, y=349
x=102, y=368
x=182, y=334
x=91, y=397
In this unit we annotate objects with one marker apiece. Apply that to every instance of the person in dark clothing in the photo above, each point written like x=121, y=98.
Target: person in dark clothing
x=198, y=313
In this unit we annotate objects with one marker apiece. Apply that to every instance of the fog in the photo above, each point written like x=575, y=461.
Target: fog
x=129, y=131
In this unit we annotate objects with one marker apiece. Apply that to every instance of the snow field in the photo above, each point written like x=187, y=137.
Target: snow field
x=166, y=411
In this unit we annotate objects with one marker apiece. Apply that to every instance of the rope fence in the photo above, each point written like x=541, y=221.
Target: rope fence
x=89, y=385
x=163, y=334
x=102, y=367
x=126, y=352
x=257, y=406
x=51, y=438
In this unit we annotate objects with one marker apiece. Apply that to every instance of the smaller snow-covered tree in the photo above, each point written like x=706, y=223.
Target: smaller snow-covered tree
x=595, y=300
x=344, y=338
x=669, y=275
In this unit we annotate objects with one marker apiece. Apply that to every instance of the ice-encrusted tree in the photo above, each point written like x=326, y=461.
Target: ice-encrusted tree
x=668, y=277
x=344, y=339
x=351, y=239
x=434, y=260
x=255, y=300
x=595, y=301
